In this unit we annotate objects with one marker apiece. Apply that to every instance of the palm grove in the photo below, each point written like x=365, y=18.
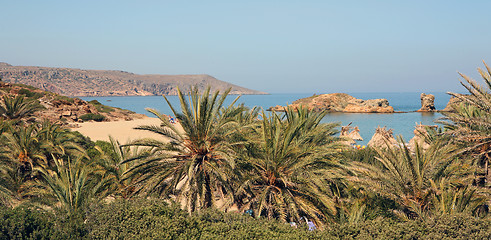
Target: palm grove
x=286, y=166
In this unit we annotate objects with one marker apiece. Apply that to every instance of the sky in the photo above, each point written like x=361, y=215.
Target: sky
x=273, y=46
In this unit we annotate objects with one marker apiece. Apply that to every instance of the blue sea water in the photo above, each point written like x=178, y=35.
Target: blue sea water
x=402, y=123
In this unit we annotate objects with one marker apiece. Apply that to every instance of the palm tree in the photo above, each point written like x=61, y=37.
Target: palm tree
x=284, y=172
x=413, y=178
x=70, y=185
x=57, y=141
x=451, y=199
x=23, y=148
x=112, y=169
x=17, y=107
x=196, y=162
x=470, y=124
x=7, y=187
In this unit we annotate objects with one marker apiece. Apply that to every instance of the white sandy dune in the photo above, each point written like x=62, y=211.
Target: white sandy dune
x=120, y=130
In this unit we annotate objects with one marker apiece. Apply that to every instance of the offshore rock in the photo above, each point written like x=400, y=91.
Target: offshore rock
x=340, y=102
x=427, y=103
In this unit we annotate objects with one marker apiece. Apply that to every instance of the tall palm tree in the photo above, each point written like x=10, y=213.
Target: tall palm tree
x=470, y=124
x=284, y=172
x=17, y=107
x=195, y=163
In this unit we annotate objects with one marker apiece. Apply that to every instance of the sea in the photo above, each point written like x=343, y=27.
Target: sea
x=402, y=123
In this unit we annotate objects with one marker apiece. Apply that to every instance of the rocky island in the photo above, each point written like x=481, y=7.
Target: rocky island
x=340, y=102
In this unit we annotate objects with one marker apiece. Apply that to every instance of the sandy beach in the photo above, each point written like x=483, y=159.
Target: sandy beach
x=120, y=130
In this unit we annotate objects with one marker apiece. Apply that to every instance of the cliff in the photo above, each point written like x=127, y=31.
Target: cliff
x=78, y=82
x=340, y=102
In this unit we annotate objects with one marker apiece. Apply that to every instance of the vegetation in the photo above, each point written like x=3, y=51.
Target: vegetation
x=470, y=125
x=100, y=107
x=230, y=172
x=92, y=116
x=283, y=174
x=154, y=219
x=16, y=107
x=197, y=162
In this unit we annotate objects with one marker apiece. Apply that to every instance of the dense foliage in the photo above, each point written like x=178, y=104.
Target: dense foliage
x=92, y=116
x=155, y=219
x=236, y=173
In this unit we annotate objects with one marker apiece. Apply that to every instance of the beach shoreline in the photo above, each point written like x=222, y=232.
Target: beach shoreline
x=122, y=130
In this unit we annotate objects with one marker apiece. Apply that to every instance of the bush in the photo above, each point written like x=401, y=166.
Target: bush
x=29, y=94
x=63, y=98
x=218, y=225
x=156, y=219
x=140, y=219
x=25, y=223
x=100, y=107
x=444, y=227
x=92, y=116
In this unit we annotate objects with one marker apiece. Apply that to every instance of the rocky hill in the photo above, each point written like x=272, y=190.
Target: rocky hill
x=340, y=102
x=79, y=82
x=65, y=110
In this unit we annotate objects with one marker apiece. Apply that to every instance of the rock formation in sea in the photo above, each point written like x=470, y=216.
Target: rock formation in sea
x=427, y=103
x=382, y=138
x=340, y=102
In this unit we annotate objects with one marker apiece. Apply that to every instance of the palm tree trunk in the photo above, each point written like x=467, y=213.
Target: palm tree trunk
x=208, y=194
x=486, y=170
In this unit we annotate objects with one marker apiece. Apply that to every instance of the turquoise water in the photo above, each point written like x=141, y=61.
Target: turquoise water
x=402, y=123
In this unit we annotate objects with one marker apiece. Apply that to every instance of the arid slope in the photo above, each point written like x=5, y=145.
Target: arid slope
x=79, y=82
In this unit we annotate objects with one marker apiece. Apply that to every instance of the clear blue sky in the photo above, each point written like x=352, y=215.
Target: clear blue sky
x=274, y=46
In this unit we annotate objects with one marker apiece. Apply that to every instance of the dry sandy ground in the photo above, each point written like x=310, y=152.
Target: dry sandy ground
x=120, y=130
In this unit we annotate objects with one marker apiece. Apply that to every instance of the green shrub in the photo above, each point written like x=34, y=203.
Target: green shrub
x=218, y=225
x=140, y=219
x=100, y=107
x=25, y=223
x=92, y=116
x=444, y=227
x=63, y=98
x=30, y=94
x=95, y=102
x=156, y=219
x=26, y=86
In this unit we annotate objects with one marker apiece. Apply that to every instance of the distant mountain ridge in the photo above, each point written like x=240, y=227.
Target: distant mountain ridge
x=79, y=82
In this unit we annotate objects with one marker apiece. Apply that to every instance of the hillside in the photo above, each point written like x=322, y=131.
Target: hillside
x=64, y=110
x=79, y=82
